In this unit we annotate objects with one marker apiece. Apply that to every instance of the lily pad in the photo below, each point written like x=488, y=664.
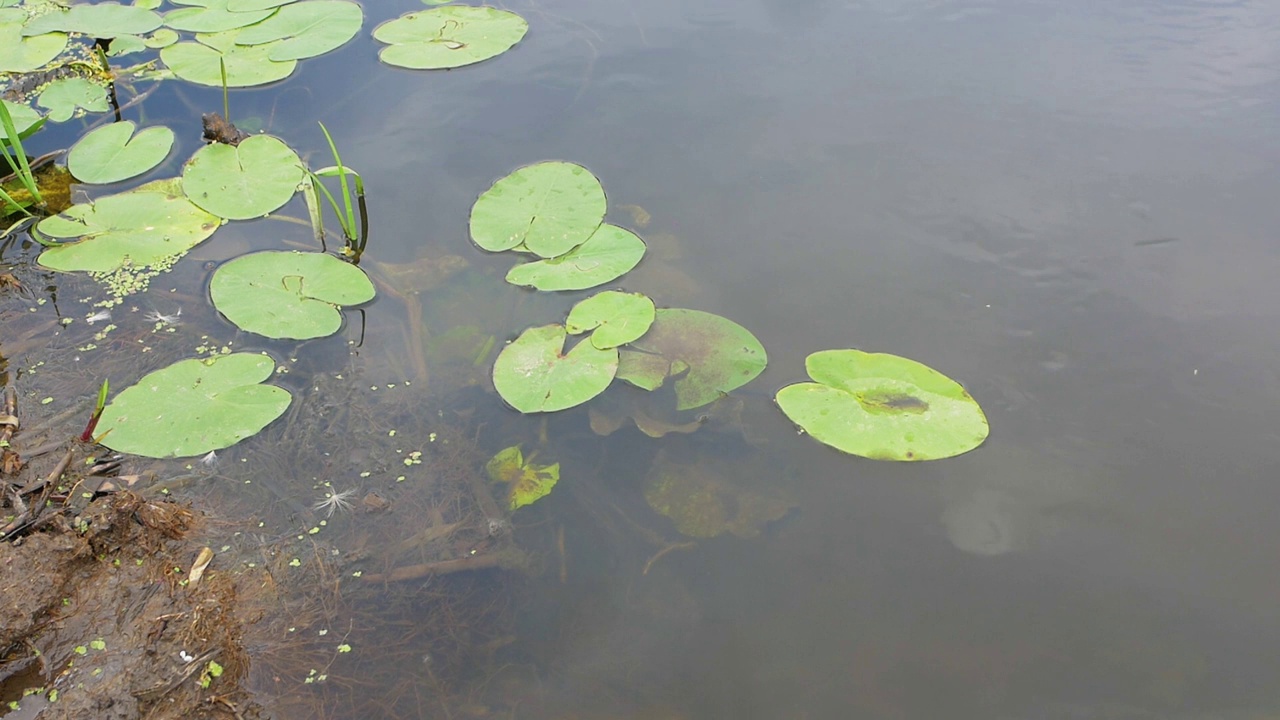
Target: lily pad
x=194, y=406
x=113, y=153
x=138, y=229
x=243, y=181
x=884, y=407
x=97, y=20
x=526, y=482
x=448, y=37
x=720, y=354
x=247, y=65
x=548, y=209
x=288, y=294
x=707, y=498
x=648, y=371
x=162, y=38
x=211, y=16
x=64, y=96
x=25, y=120
x=20, y=54
x=533, y=375
x=306, y=29
x=251, y=5
x=616, y=318
x=607, y=255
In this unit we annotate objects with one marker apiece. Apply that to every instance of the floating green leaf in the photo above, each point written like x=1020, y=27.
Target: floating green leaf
x=720, y=354
x=548, y=209
x=113, y=153
x=211, y=16
x=306, y=29
x=20, y=54
x=251, y=5
x=25, y=119
x=139, y=229
x=525, y=481
x=64, y=96
x=97, y=20
x=883, y=407
x=616, y=317
x=126, y=45
x=607, y=255
x=448, y=37
x=247, y=65
x=243, y=181
x=288, y=294
x=162, y=38
x=533, y=376
x=194, y=406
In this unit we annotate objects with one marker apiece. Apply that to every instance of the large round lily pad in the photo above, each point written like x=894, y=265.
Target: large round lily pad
x=720, y=354
x=534, y=376
x=547, y=209
x=113, y=153
x=137, y=228
x=288, y=294
x=448, y=37
x=607, y=255
x=243, y=181
x=98, y=20
x=306, y=29
x=65, y=97
x=20, y=54
x=211, y=16
x=247, y=65
x=194, y=406
x=884, y=407
x=615, y=318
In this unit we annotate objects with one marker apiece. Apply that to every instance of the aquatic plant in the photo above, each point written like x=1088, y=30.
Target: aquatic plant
x=16, y=159
x=288, y=294
x=526, y=482
x=356, y=236
x=448, y=37
x=113, y=152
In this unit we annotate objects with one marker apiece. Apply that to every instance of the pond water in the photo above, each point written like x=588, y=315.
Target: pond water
x=1067, y=205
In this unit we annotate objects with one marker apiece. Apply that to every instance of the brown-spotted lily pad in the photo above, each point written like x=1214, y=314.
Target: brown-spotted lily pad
x=720, y=354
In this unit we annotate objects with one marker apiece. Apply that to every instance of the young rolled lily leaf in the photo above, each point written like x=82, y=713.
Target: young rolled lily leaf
x=194, y=406
x=884, y=407
x=288, y=294
x=448, y=37
x=547, y=209
x=533, y=374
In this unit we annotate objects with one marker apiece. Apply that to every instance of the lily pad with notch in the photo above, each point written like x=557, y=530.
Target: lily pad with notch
x=884, y=407
x=719, y=355
x=288, y=294
x=533, y=374
x=243, y=181
x=194, y=406
x=448, y=37
x=614, y=317
x=20, y=54
x=211, y=16
x=246, y=65
x=65, y=96
x=113, y=152
x=607, y=255
x=305, y=29
x=98, y=20
x=548, y=209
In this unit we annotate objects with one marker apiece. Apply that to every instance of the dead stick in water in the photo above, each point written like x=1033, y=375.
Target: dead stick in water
x=442, y=567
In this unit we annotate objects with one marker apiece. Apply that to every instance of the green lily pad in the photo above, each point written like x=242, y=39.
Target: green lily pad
x=448, y=37
x=126, y=45
x=113, y=153
x=251, y=5
x=20, y=54
x=98, y=20
x=532, y=374
x=247, y=65
x=288, y=294
x=211, y=16
x=25, y=119
x=526, y=482
x=616, y=317
x=548, y=209
x=883, y=407
x=137, y=229
x=162, y=38
x=607, y=255
x=720, y=354
x=306, y=29
x=65, y=96
x=243, y=181
x=194, y=406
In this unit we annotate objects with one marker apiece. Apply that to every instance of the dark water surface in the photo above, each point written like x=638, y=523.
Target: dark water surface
x=1069, y=205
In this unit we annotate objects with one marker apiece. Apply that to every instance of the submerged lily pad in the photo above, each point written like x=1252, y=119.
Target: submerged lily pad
x=288, y=294
x=306, y=29
x=448, y=37
x=548, y=209
x=720, y=355
x=113, y=153
x=211, y=16
x=64, y=96
x=243, y=181
x=194, y=406
x=709, y=497
x=607, y=255
x=526, y=483
x=615, y=317
x=139, y=229
x=247, y=65
x=884, y=407
x=532, y=375
x=20, y=54
x=97, y=20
